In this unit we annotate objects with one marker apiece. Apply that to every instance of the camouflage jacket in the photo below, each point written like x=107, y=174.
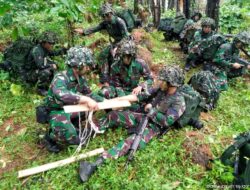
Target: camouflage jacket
x=201, y=39
x=65, y=89
x=129, y=77
x=166, y=108
x=189, y=30
x=224, y=55
x=117, y=29
x=37, y=59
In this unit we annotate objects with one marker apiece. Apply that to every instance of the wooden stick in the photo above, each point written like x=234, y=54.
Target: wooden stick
x=46, y=167
x=108, y=104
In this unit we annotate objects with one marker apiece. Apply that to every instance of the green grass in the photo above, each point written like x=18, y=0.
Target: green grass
x=163, y=164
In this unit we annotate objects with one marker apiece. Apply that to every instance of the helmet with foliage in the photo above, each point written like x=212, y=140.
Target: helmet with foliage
x=243, y=37
x=127, y=47
x=79, y=56
x=208, y=22
x=48, y=36
x=106, y=8
x=172, y=74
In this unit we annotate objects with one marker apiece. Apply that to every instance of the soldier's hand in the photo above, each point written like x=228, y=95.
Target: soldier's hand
x=78, y=30
x=54, y=66
x=106, y=84
x=148, y=107
x=237, y=65
x=92, y=105
x=248, y=67
x=137, y=90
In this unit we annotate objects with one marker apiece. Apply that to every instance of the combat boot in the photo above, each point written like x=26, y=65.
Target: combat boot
x=87, y=169
x=195, y=123
x=51, y=145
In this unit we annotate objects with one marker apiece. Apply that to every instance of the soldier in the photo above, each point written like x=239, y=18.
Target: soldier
x=201, y=40
x=167, y=106
x=190, y=27
x=69, y=87
x=39, y=69
x=226, y=61
x=126, y=73
x=116, y=28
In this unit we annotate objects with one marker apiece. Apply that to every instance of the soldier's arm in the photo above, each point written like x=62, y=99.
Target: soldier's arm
x=123, y=27
x=92, y=30
x=146, y=74
x=39, y=59
x=172, y=114
x=115, y=75
x=221, y=58
x=60, y=51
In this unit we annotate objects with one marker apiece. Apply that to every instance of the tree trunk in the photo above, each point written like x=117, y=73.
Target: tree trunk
x=136, y=3
x=212, y=10
x=186, y=8
x=177, y=6
x=171, y=4
x=163, y=5
x=156, y=12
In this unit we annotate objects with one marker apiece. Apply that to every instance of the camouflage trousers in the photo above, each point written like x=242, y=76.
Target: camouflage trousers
x=41, y=77
x=61, y=128
x=128, y=119
x=105, y=60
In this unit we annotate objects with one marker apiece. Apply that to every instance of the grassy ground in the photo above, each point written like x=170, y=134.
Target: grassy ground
x=164, y=164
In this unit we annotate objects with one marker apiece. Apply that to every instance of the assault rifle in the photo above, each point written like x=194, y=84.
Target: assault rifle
x=241, y=61
x=137, y=140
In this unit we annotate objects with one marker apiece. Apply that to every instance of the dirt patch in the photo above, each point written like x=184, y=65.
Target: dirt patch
x=10, y=128
x=197, y=149
x=145, y=54
x=141, y=37
x=97, y=44
x=246, y=78
x=206, y=116
x=23, y=154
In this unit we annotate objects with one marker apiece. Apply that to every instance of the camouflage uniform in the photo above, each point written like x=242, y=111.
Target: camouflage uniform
x=225, y=58
x=200, y=44
x=125, y=78
x=116, y=29
x=166, y=110
x=39, y=68
x=67, y=89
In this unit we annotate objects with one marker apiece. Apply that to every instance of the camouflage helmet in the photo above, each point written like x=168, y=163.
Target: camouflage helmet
x=196, y=13
x=79, y=56
x=243, y=37
x=208, y=22
x=127, y=47
x=172, y=74
x=49, y=37
x=106, y=8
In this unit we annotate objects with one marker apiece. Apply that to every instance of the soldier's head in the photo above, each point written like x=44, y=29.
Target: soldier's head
x=196, y=16
x=107, y=12
x=80, y=59
x=171, y=77
x=207, y=25
x=48, y=39
x=242, y=39
x=127, y=51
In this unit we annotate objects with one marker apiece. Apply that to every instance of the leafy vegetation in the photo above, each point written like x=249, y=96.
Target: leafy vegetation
x=163, y=164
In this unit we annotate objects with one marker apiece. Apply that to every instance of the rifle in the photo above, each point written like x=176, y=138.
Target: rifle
x=137, y=140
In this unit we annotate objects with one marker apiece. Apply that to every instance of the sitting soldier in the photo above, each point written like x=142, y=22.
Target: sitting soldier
x=202, y=39
x=126, y=73
x=227, y=63
x=167, y=106
x=69, y=87
x=116, y=28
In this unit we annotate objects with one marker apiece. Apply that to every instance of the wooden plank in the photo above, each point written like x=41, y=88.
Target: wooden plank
x=60, y=163
x=108, y=104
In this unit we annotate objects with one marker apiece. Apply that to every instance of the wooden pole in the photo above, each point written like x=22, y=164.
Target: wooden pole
x=108, y=104
x=60, y=163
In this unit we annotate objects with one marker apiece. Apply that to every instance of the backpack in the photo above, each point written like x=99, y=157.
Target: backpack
x=212, y=45
x=237, y=156
x=192, y=101
x=17, y=53
x=206, y=84
x=178, y=24
x=128, y=17
x=165, y=24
